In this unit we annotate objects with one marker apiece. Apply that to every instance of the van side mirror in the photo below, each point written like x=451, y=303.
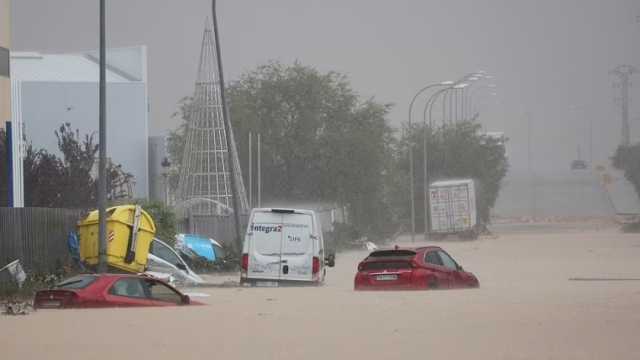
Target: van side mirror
x=330, y=260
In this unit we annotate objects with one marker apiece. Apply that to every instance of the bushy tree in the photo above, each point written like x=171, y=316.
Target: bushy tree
x=320, y=142
x=627, y=158
x=456, y=151
x=67, y=182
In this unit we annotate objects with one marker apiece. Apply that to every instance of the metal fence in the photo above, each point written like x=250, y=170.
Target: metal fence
x=36, y=236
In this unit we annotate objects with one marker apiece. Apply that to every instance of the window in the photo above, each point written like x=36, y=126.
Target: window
x=160, y=250
x=77, y=282
x=386, y=265
x=129, y=287
x=220, y=253
x=161, y=292
x=4, y=62
x=449, y=263
x=432, y=258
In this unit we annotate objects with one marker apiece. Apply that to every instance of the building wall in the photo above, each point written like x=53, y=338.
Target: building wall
x=47, y=105
x=5, y=45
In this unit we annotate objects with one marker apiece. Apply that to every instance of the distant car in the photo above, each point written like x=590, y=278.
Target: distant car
x=578, y=165
x=110, y=290
x=427, y=267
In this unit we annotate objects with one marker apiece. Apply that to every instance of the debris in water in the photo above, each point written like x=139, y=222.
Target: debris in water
x=16, y=272
x=17, y=308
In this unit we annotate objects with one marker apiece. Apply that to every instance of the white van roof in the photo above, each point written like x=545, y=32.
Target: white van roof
x=451, y=182
x=285, y=210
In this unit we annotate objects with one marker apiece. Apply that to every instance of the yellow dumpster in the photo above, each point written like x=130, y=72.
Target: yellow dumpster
x=130, y=231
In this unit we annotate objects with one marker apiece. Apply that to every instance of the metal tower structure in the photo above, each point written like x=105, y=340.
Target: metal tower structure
x=205, y=178
x=623, y=72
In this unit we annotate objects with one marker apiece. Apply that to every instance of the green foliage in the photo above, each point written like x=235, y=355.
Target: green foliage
x=164, y=219
x=320, y=142
x=9, y=290
x=627, y=158
x=68, y=182
x=454, y=151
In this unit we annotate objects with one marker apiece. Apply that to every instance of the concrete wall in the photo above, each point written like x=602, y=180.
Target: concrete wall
x=5, y=42
x=46, y=105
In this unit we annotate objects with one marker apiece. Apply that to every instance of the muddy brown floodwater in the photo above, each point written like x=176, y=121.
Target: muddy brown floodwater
x=526, y=308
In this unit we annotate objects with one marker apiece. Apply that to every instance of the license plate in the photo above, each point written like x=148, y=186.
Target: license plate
x=387, y=277
x=50, y=304
x=267, y=283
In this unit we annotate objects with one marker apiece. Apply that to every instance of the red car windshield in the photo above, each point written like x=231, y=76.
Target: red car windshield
x=77, y=282
x=386, y=265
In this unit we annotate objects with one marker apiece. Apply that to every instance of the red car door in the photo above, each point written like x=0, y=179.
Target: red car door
x=458, y=278
x=438, y=275
x=127, y=292
x=161, y=294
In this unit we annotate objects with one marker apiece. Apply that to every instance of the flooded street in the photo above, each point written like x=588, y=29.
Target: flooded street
x=526, y=308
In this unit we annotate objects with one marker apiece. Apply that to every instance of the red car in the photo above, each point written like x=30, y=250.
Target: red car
x=427, y=267
x=110, y=290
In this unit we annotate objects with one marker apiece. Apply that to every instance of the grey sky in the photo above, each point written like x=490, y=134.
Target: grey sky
x=549, y=57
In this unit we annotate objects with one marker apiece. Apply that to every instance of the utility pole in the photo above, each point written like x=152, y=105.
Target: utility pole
x=102, y=161
x=530, y=167
x=624, y=72
x=227, y=122
x=250, y=173
x=259, y=171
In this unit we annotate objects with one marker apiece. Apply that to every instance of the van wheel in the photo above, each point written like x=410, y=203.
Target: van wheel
x=432, y=283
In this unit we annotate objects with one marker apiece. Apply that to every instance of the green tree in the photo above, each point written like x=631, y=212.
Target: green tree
x=320, y=142
x=50, y=181
x=455, y=151
x=627, y=158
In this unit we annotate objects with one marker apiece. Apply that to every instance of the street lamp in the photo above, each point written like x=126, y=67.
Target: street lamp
x=102, y=150
x=427, y=109
x=411, y=170
x=472, y=92
x=459, y=90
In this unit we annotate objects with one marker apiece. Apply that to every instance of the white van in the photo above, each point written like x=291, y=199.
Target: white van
x=283, y=246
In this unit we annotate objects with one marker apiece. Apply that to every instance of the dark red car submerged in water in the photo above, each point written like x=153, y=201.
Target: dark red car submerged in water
x=110, y=290
x=427, y=267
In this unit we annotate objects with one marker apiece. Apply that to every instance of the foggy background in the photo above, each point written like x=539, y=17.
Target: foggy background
x=549, y=58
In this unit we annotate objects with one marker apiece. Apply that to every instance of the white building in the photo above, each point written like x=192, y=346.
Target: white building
x=52, y=89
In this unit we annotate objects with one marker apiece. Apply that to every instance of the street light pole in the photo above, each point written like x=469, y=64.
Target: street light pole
x=227, y=122
x=250, y=173
x=427, y=126
x=102, y=150
x=411, y=166
x=472, y=93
